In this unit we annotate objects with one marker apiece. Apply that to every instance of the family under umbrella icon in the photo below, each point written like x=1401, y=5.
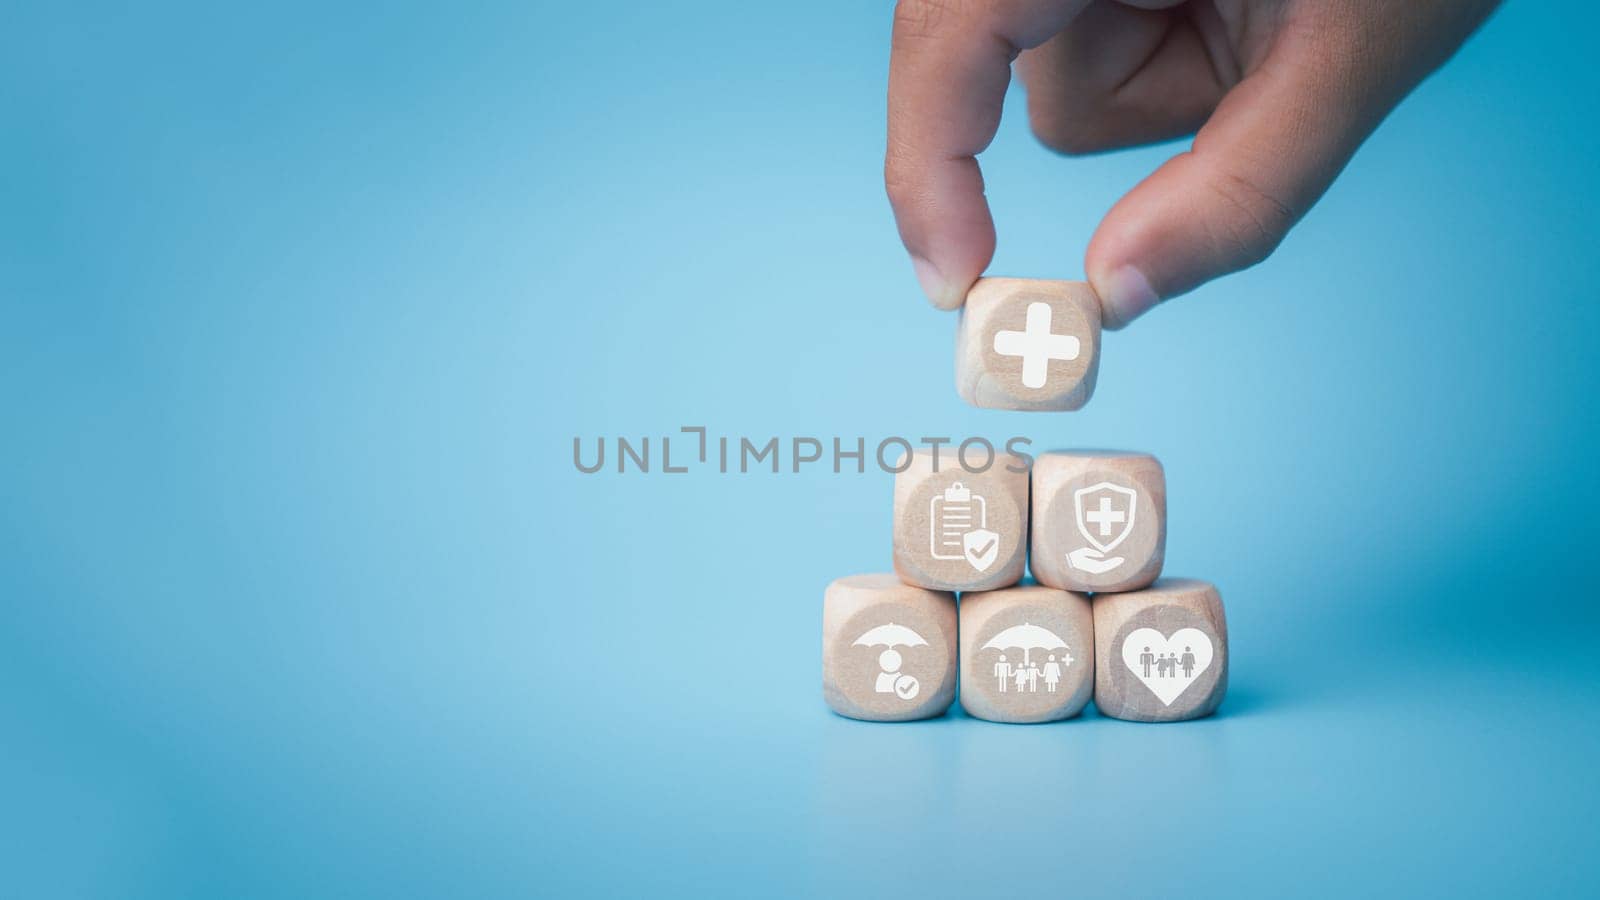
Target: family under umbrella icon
x=891, y=680
x=1028, y=638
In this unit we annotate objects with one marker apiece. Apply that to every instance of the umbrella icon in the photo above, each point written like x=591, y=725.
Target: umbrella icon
x=890, y=635
x=1026, y=637
x=890, y=679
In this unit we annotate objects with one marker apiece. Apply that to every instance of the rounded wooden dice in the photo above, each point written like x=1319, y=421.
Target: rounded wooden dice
x=957, y=529
x=1161, y=653
x=1027, y=344
x=1099, y=520
x=888, y=649
x=1027, y=654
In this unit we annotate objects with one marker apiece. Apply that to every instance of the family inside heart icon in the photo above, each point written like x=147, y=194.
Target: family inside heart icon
x=1167, y=665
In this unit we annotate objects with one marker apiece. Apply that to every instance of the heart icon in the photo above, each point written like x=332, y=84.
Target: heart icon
x=1167, y=665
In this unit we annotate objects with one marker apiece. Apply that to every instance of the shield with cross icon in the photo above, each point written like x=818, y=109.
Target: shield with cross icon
x=1105, y=514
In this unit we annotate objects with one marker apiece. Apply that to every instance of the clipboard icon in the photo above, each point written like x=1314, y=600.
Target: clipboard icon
x=958, y=521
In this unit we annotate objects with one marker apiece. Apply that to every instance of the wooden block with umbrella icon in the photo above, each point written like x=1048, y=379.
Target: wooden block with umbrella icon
x=1027, y=654
x=888, y=649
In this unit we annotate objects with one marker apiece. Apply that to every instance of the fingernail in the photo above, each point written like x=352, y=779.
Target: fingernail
x=940, y=291
x=1126, y=295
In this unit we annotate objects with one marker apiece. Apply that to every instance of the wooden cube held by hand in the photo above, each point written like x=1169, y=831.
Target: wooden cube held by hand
x=957, y=529
x=888, y=649
x=1027, y=344
x=1161, y=653
x=1099, y=520
x=1027, y=654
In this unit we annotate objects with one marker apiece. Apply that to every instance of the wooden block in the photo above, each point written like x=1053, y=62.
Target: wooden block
x=1027, y=654
x=1162, y=652
x=1099, y=520
x=1027, y=344
x=957, y=529
x=888, y=649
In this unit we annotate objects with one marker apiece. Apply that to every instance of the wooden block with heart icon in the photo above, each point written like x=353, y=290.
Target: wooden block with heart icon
x=1027, y=654
x=961, y=525
x=888, y=649
x=1028, y=344
x=1161, y=653
x=1099, y=520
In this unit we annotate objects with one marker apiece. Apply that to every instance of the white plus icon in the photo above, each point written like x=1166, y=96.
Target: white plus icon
x=1037, y=346
x=1105, y=516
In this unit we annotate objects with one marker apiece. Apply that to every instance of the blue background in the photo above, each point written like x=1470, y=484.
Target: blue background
x=301, y=594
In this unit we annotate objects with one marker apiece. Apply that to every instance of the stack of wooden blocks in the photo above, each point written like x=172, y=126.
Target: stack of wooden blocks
x=1100, y=623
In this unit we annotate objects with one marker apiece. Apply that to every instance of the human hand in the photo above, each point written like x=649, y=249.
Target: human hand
x=1282, y=92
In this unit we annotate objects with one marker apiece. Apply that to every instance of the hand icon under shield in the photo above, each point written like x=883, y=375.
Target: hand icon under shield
x=1104, y=514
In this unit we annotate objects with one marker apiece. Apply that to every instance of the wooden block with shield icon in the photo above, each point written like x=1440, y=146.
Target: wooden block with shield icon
x=888, y=649
x=1028, y=344
x=1099, y=520
x=1027, y=654
x=958, y=528
x=1161, y=653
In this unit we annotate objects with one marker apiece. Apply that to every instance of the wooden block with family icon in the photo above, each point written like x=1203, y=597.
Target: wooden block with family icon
x=1028, y=654
x=1165, y=650
x=1099, y=622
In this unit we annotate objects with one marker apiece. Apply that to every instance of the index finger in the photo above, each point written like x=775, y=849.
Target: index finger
x=949, y=65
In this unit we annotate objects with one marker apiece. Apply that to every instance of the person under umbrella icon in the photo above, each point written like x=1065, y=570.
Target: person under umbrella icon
x=890, y=679
x=1027, y=638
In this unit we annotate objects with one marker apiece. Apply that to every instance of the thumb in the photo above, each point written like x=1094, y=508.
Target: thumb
x=1268, y=152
